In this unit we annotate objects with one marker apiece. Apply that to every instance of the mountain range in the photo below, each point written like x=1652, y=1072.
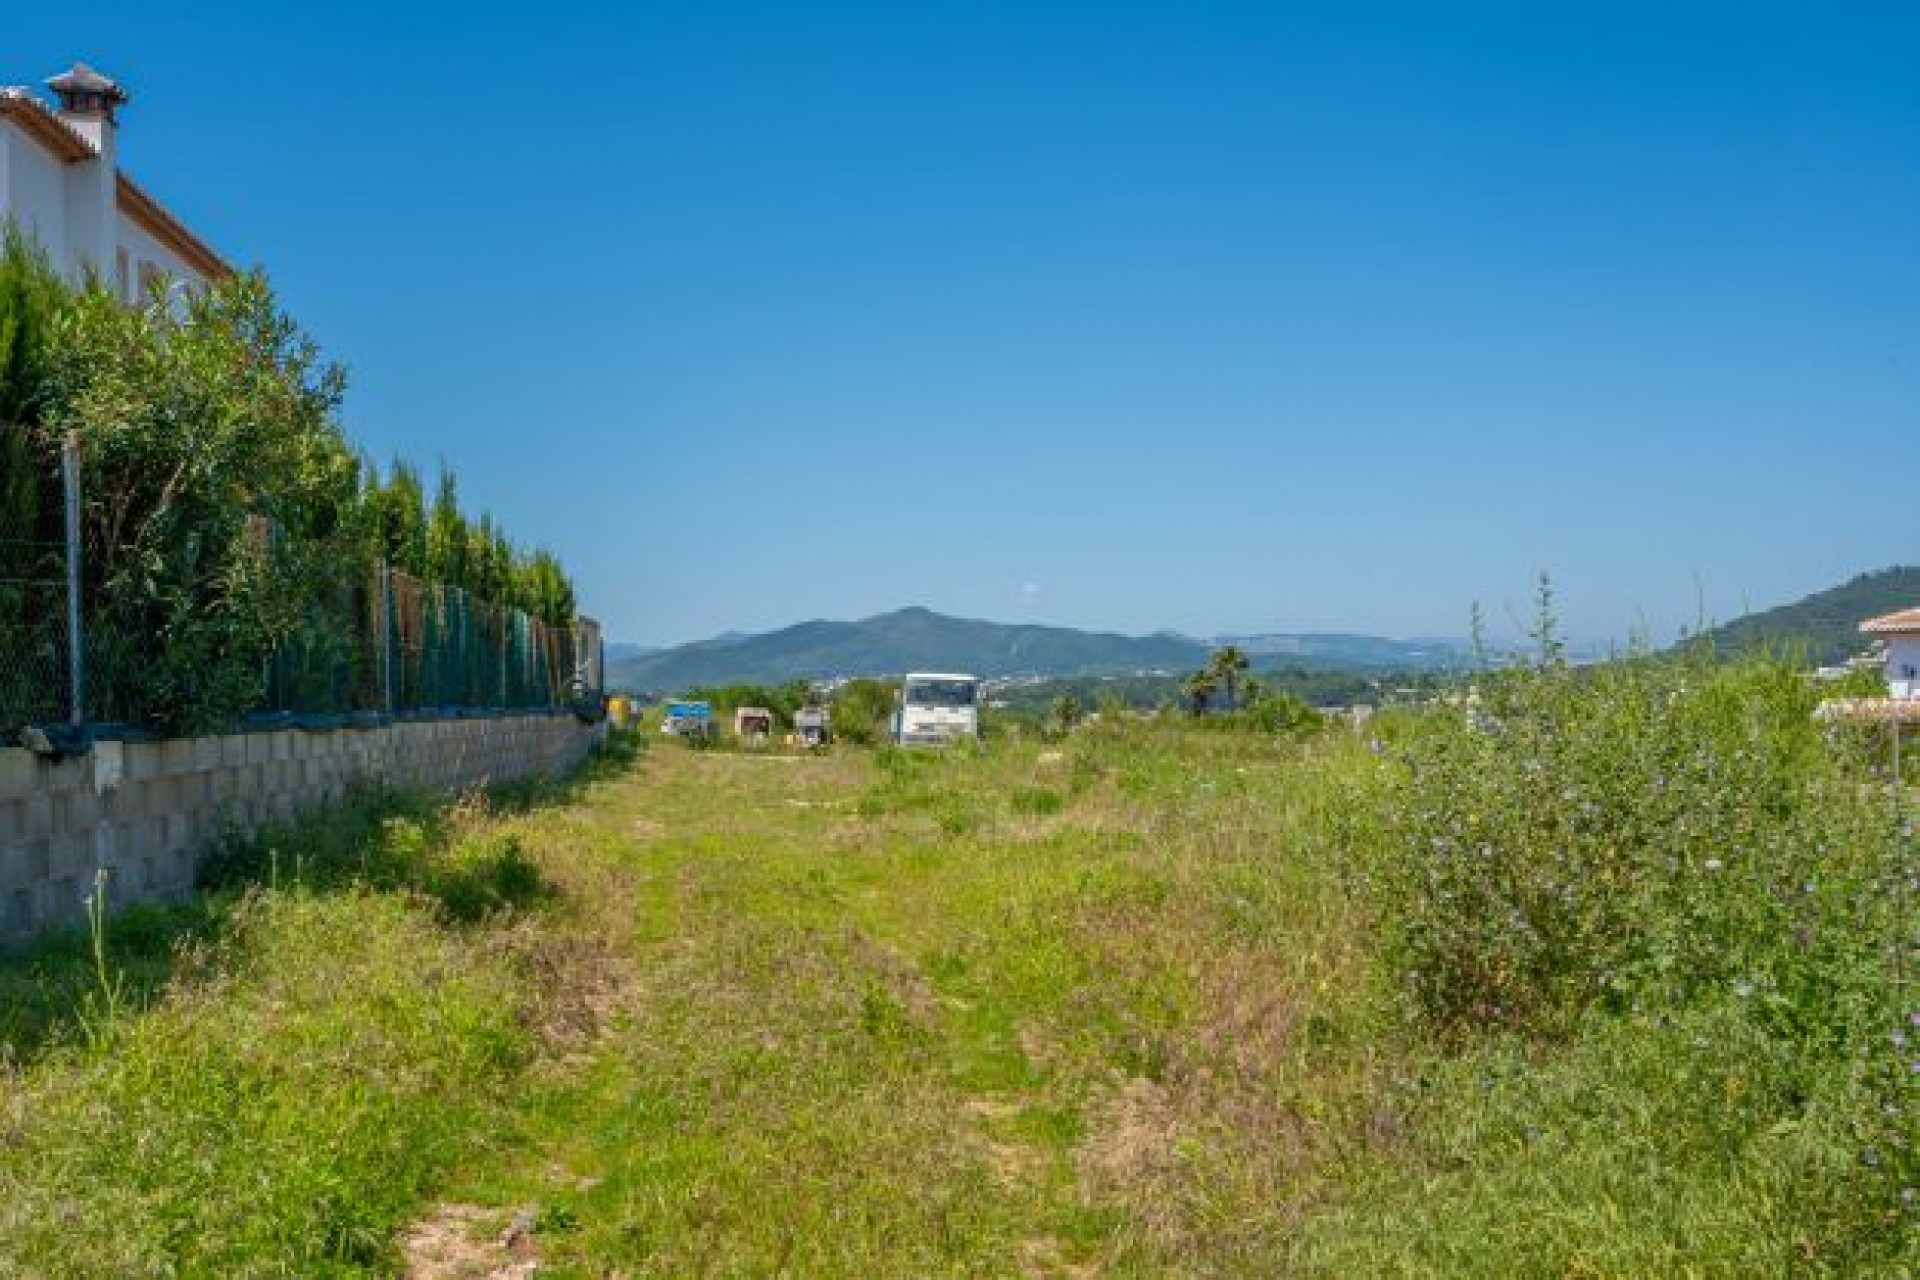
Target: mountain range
x=1821, y=628
x=918, y=639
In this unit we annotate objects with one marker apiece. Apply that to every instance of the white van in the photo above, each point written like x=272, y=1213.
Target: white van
x=936, y=708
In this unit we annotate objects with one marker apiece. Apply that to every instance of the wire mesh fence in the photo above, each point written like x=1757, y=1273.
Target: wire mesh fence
x=33, y=600
x=400, y=645
x=369, y=644
x=446, y=648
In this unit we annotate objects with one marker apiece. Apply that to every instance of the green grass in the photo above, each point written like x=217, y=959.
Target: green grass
x=283, y=1110
x=868, y=1038
x=1137, y=1003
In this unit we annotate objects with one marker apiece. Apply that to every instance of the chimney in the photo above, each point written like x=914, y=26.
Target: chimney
x=88, y=101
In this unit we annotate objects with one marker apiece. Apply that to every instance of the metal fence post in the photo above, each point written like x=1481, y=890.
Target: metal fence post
x=76, y=656
x=386, y=637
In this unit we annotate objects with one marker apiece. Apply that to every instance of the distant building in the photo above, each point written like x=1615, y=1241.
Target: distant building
x=60, y=182
x=1900, y=632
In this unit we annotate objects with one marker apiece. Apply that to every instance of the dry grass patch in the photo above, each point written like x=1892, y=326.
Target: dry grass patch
x=467, y=1242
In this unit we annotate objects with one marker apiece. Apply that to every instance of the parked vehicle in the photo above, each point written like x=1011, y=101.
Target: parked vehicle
x=936, y=708
x=689, y=719
x=812, y=725
x=753, y=724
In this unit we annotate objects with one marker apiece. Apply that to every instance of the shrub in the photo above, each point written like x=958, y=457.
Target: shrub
x=1650, y=840
x=1277, y=713
x=386, y=840
x=1569, y=839
x=225, y=517
x=781, y=699
x=863, y=710
x=483, y=874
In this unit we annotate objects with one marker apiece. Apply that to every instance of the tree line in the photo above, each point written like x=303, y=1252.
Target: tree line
x=224, y=510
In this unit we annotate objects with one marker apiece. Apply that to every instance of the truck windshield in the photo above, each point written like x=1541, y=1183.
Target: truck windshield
x=940, y=693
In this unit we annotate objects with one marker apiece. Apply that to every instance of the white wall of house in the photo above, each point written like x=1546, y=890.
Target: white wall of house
x=1903, y=665
x=146, y=253
x=33, y=192
x=73, y=207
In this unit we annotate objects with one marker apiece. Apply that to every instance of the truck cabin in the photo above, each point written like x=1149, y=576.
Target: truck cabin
x=936, y=708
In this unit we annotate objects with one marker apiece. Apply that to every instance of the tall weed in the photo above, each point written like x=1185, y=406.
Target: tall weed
x=1654, y=843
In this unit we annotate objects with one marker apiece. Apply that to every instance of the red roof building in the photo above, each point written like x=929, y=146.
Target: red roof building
x=1900, y=632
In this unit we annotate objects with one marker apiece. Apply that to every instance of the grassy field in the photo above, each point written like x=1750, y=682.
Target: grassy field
x=1153, y=1000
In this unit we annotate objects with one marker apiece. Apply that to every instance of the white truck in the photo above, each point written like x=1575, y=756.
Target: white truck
x=936, y=708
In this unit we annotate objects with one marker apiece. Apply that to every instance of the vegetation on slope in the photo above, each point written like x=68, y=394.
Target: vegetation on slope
x=1147, y=693
x=1599, y=973
x=917, y=639
x=1823, y=628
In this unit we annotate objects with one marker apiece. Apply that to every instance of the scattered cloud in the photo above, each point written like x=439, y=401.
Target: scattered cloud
x=1030, y=592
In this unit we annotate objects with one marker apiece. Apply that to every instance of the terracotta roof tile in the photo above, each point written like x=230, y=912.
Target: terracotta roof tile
x=1893, y=623
x=24, y=108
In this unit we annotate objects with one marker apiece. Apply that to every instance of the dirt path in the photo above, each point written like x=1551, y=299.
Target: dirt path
x=874, y=1017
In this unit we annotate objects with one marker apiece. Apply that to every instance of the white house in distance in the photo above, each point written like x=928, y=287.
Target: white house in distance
x=60, y=182
x=1901, y=633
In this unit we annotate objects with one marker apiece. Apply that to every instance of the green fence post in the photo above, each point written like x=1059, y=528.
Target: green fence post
x=386, y=637
x=76, y=657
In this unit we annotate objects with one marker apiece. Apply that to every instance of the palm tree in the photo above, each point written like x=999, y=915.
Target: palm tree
x=1200, y=688
x=1227, y=662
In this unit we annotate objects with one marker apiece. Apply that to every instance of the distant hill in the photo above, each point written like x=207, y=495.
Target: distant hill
x=917, y=639
x=1824, y=626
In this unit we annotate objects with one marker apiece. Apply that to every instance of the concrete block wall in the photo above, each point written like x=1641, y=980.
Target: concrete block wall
x=144, y=810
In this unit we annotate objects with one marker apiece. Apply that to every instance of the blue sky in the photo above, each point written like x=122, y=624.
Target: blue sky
x=1217, y=317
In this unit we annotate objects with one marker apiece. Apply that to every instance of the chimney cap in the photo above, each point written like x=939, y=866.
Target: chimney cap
x=85, y=91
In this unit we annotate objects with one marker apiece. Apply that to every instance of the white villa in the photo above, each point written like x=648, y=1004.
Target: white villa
x=60, y=182
x=1901, y=634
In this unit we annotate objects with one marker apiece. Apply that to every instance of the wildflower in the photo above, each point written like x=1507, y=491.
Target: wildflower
x=1713, y=864
x=1743, y=988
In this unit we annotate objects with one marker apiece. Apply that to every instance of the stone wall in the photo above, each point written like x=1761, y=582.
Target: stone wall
x=143, y=810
